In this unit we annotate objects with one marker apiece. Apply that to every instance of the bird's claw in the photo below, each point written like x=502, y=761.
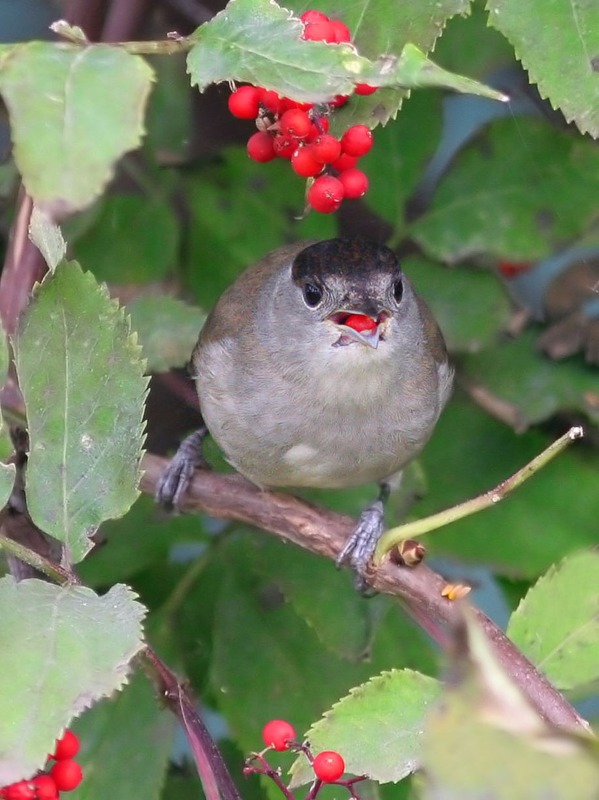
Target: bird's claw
x=175, y=480
x=360, y=546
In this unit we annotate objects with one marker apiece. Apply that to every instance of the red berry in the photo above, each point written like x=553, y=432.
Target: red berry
x=295, y=123
x=278, y=734
x=365, y=89
x=260, y=147
x=328, y=766
x=355, y=183
x=319, y=31
x=22, y=790
x=244, y=102
x=313, y=16
x=357, y=140
x=45, y=788
x=304, y=163
x=66, y=747
x=326, y=148
x=339, y=100
x=344, y=162
x=341, y=31
x=272, y=102
x=285, y=146
x=317, y=128
x=325, y=194
x=360, y=322
x=67, y=775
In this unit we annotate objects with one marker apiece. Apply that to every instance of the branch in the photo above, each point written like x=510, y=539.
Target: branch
x=324, y=532
x=216, y=780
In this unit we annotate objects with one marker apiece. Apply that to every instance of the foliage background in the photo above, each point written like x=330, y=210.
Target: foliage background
x=458, y=185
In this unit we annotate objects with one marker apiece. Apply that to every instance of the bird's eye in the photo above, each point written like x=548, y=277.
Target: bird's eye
x=312, y=294
x=398, y=290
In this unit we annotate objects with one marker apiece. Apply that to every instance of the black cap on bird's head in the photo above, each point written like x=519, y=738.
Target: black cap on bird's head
x=357, y=282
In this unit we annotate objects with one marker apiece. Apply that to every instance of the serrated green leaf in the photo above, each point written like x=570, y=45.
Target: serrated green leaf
x=413, y=70
x=168, y=330
x=56, y=659
x=81, y=374
x=557, y=624
x=505, y=195
x=47, y=237
x=259, y=42
x=126, y=742
x=74, y=112
x=558, y=43
x=378, y=727
x=369, y=21
x=281, y=669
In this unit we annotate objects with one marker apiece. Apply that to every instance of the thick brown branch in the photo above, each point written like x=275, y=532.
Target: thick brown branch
x=324, y=532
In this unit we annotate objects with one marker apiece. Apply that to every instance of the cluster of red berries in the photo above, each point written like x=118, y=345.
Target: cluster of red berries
x=328, y=766
x=300, y=131
x=63, y=776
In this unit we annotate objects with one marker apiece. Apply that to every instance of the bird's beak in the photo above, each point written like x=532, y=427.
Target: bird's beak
x=356, y=326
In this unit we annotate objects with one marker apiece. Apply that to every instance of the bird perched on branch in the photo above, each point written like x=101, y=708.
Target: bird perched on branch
x=320, y=367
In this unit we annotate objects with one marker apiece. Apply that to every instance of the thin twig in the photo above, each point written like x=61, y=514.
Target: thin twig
x=394, y=536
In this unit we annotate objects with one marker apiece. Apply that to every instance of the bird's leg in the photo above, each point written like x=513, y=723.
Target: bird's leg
x=362, y=542
x=177, y=476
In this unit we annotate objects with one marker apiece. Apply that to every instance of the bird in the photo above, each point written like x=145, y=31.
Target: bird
x=320, y=367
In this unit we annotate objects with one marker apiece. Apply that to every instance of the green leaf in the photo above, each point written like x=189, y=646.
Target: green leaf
x=133, y=239
x=556, y=624
x=401, y=151
x=558, y=43
x=308, y=583
x=531, y=385
x=484, y=740
x=413, y=70
x=484, y=307
x=138, y=541
x=378, y=727
x=56, y=659
x=167, y=328
x=268, y=663
x=259, y=42
x=419, y=24
x=505, y=194
x=47, y=237
x=82, y=380
x=126, y=742
x=74, y=112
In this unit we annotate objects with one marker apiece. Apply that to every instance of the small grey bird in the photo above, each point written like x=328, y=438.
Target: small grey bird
x=320, y=366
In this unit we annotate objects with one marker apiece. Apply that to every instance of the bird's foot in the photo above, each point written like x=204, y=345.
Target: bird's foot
x=175, y=479
x=361, y=544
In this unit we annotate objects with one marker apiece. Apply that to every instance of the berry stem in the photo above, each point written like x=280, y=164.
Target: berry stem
x=314, y=789
x=270, y=772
